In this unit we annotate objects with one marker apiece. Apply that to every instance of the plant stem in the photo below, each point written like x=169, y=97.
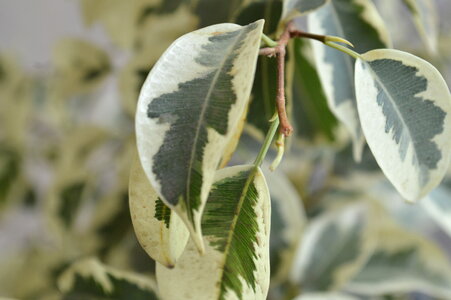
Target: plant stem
x=343, y=49
x=268, y=41
x=267, y=142
x=280, y=144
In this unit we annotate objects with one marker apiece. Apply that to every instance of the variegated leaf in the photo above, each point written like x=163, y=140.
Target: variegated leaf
x=236, y=225
x=404, y=107
x=288, y=220
x=403, y=262
x=358, y=22
x=293, y=8
x=425, y=19
x=188, y=109
x=80, y=67
x=333, y=249
x=159, y=230
x=438, y=205
x=89, y=279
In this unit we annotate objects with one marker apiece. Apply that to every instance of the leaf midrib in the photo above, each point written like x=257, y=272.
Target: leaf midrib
x=200, y=123
x=398, y=112
x=249, y=180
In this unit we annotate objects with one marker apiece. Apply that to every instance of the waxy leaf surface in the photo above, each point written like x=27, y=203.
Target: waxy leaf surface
x=236, y=225
x=188, y=109
x=404, y=106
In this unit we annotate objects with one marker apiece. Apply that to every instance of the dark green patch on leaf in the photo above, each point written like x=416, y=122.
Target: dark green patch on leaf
x=70, y=199
x=162, y=212
x=114, y=229
x=411, y=119
x=165, y=7
x=30, y=198
x=94, y=74
x=311, y=114
x=334, y=249
x=215, y=11
x=262, y=106
x=198, y=104
x=10, y=167
x=269, y=10
x=86, y=288
x=406, y=263
x=2, y=72
x=277, y=242
x=230, y=197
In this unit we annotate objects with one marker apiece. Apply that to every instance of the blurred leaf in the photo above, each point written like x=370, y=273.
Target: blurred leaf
x=403, y=103
x=311, y=115
x=333, y=249
x=212, y=12
x=89, y=279
x=424, y=16
x=403, y=262
x=236, y=233
x=269, y=10
x=294, y=8
x=79, y=67
x=108, y=12
x=324, y=296
x=359, y=23
x=287, y=224
x=16, y=89
x=438, y=205
x=70, y=199
x=181, y=146
x=10, y=163
x=263, y=95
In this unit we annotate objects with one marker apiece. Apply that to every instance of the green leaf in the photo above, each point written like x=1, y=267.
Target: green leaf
x=236, y=233
x=288, y=220
x=294, y=8
x=184, y=120
x=333, y=249
x=404, y=105
x=89, y=279
x=159, y=230
x=425, y=19
x=358, y=22
x=312, y=118
x=403, y=262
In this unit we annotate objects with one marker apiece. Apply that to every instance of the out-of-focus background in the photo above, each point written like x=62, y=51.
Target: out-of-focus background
x=70, y=74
